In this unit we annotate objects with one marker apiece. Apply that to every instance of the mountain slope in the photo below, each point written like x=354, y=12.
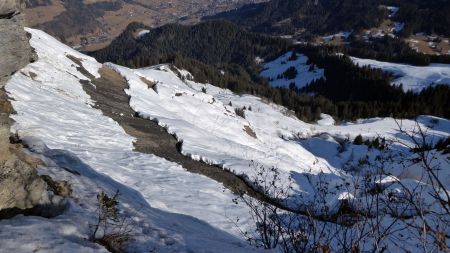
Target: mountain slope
x=92, y=24
x=171, y=209
x=228, y=56
x=214, y=42
x=309, y=17
x=217, y=52
x=80, y=145
x=430, y=17
x=411, y=77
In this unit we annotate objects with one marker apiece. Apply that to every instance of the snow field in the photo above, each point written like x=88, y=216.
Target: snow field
x=172, y=209
x=280, y=65
x=411, y=77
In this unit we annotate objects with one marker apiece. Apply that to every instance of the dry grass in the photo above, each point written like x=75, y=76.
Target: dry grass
x=149, y=83
x=420, y=42
x=41, y=14
x=111, y=75
x=250, y=131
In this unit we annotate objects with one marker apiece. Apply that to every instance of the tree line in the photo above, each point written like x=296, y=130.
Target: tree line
x=280, y=17
x=224, y=55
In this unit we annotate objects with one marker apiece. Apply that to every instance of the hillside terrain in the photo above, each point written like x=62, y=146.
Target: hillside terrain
x=308, y=126
x=308, y=17
x=92, y=24
x=424, y=25
x=65, y=115
x=228, y=56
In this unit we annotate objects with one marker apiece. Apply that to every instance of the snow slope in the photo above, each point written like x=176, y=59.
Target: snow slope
x=278, y=66
x=306, y=155
x=412, y=77
x=172, y=209
x=211, y=131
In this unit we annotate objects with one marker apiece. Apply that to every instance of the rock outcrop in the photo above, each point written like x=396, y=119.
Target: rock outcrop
x=15, y=50
x=9, y=8
x=21, y=187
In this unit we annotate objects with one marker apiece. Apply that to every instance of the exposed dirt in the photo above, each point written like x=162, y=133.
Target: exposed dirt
x=149, y=83
x=250, y=131
x=36, y=15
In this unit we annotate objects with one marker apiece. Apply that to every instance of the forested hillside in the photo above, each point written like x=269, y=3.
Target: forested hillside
x=392, y=50
x=219, y=52
x=209, y=42
x=431, y=16
x=325, y=16
x=226, y=56
x=312, y=17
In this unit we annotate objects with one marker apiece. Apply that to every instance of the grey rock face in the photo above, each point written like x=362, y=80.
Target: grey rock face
x=20, y=185
x=16, y=53
x=14, y=47
x=10, y=7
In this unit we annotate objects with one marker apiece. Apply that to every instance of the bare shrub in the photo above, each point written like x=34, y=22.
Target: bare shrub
x=379, y=212
x=432, y=217
x=110, y=230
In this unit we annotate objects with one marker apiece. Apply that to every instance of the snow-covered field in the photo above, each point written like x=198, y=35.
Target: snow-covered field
x=305, y=72
x=412, y=77
x=173, y=210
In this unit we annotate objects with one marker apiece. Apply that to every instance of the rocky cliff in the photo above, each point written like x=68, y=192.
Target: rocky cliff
x=20, y=186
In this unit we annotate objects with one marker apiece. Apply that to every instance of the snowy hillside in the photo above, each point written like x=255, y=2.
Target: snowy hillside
x=305, y=73
x=412, y=77
x=173, y=210
x=204, y=117
x=56, y=119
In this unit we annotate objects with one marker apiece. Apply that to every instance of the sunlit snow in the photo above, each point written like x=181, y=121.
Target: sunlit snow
x=174, y=210
x=306, y=72
x=414, y=78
